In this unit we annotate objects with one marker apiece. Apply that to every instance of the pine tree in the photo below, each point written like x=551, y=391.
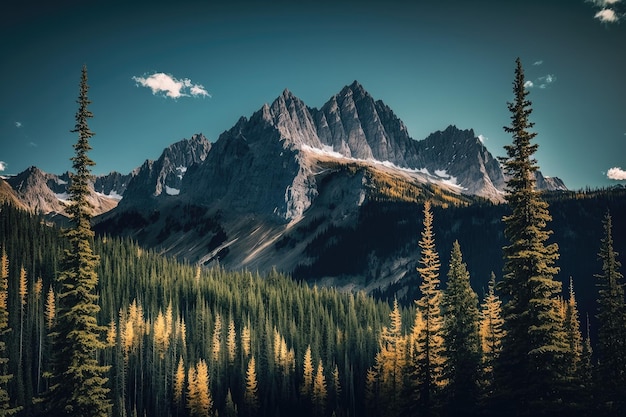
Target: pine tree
x=611, y=345
x=491, y=331
x=231, y=342
x=50, y=308
x=179, y=382
x=320, y=392
x=5, y=377
x=230, y=407
x=251, y=394
x=307, y=374
x=461, y=337
x=199, y=399
x=79, y=381
x=572, y=331
x=392, y=358
x=534, y=345
x=430, y=358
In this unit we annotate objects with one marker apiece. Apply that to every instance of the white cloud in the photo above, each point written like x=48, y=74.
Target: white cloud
x=546, y=80
x=604, y=3
x=3, y=165
x=541, y=82
x=609, y=11
x=198, y=90
x=616, y=173
x=482, y=138
x=172, y=87
x=537, y=63
x=18, y=124
x=607, y=15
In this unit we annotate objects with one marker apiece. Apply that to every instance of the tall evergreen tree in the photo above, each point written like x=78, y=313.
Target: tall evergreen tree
x=392, y=364
x=461, y=338
x=79, y=381
x=534, y=345
x=430, y=358
x=611, y=346
x=572, y=331
x=251, y=394
x=5, y=377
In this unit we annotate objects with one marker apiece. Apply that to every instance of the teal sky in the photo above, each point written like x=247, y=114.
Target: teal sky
x=435, y=63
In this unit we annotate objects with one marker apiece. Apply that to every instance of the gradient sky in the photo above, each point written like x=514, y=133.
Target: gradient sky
x=435, y=63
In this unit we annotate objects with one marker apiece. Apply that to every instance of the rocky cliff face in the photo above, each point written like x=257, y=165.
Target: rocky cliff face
x=262, y=165
x=163, y=177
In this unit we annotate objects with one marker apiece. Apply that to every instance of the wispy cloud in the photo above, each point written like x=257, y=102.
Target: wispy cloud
x=541, y=82
x=537, y=63
x=18, y=124
x=171, y=86
x=546, y=80
x=616, y=173
x=3, y=166
x=482, y=138
x=609, y=11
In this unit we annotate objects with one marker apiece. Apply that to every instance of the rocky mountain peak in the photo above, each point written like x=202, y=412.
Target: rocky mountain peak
x=163, y=177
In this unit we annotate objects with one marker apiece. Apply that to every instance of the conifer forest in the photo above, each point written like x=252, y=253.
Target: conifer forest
x=99, y=326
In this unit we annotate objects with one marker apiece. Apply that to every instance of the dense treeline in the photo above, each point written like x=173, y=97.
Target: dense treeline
x=160, y=312
x=261, y=342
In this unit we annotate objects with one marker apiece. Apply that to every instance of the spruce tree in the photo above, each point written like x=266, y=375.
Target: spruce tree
x=5, y=376
x=251, y=394
x=430, y=358
x=78, y=381
x=611, y=316
x=491, y=332
x=461, y=337
x=572, y=331
x=534, y=345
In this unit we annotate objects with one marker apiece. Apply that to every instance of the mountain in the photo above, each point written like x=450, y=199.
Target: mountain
x=271, y=189
x=7, y=195
x=46, y=193
x=155, y=180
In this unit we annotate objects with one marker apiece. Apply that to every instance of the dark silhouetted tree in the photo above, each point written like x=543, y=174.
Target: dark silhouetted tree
x=534, y=346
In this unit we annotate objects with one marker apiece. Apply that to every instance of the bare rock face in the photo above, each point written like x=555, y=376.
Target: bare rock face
x=260, y=165
x=164, y=177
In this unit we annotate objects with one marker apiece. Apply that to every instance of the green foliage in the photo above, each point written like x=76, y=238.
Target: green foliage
x=430, y=356
x=612, y=317
x=461, y=338
x=534, y=345
x=79, y=382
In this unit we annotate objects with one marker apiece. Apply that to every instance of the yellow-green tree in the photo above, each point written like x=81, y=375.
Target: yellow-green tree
x=320, y=391
x=79, y=382
x=307, y=374
x=491, y=331
x=5, y=376
x=179, y=382
x=428, y=366
x=199, y=400
x=251, y=394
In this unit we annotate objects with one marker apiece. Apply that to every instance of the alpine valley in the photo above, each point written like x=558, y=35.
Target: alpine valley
x=328, y=195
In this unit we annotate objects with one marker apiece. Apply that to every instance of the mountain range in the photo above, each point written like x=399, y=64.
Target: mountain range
x=269, y=188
